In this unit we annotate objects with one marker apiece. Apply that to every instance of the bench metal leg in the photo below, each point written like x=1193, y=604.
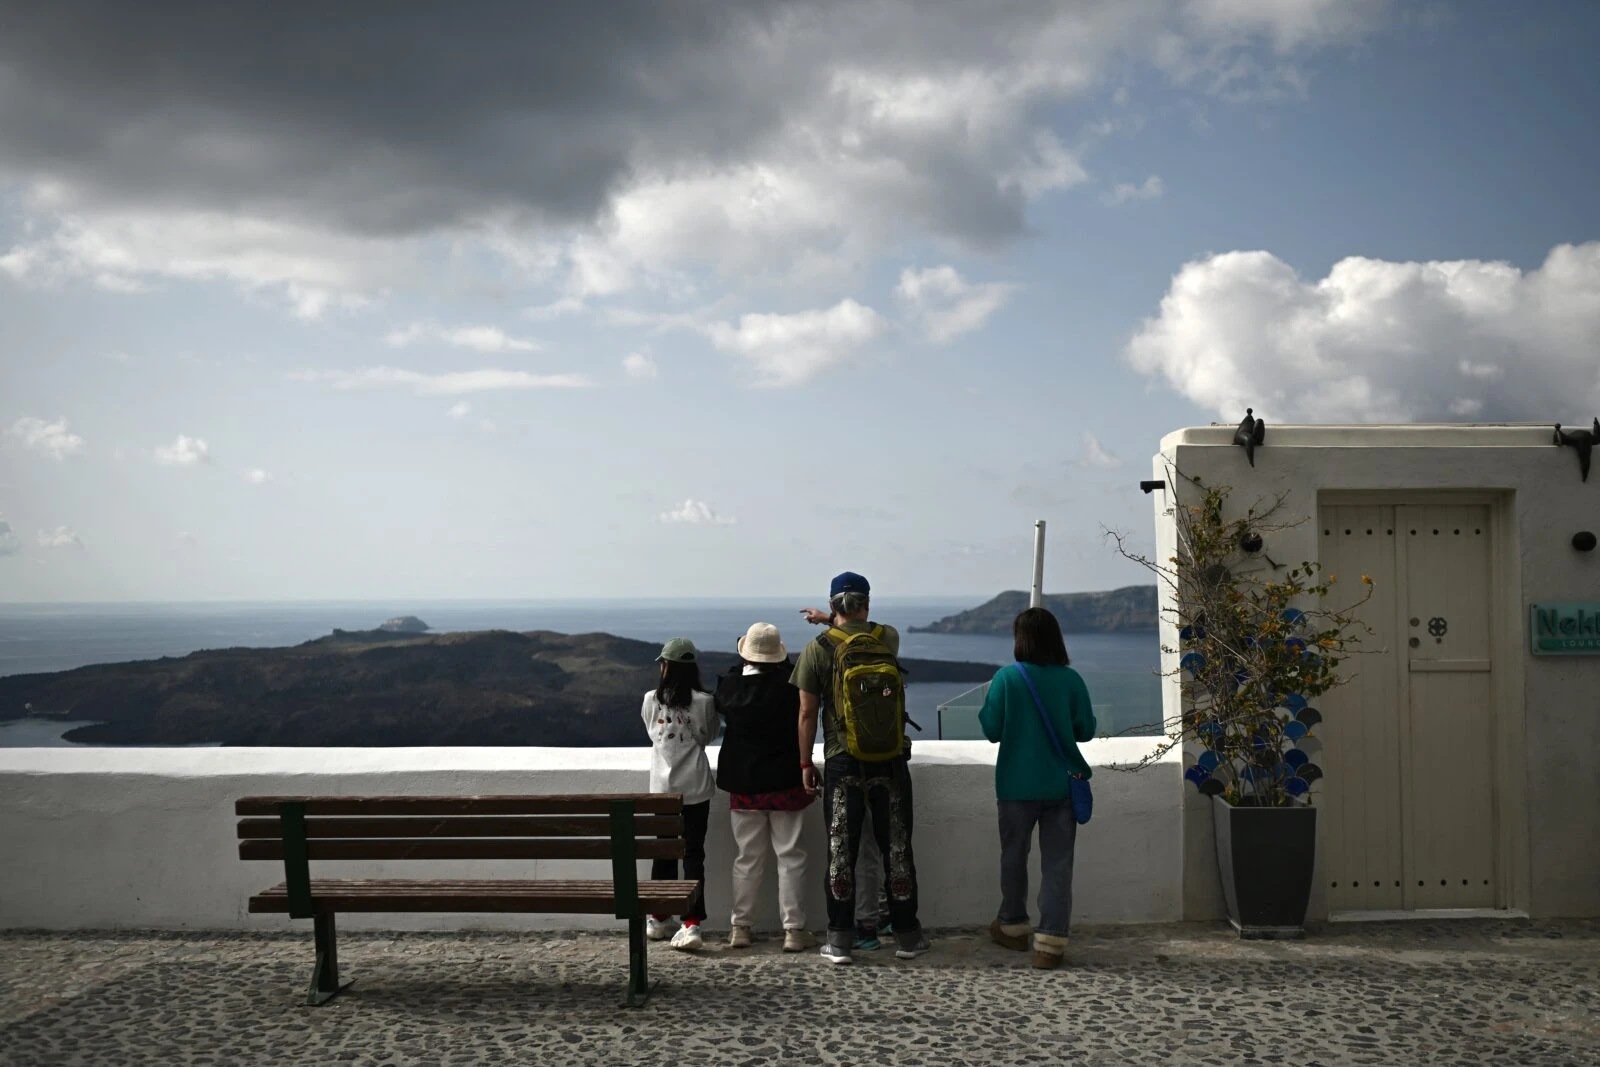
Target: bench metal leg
x=325, y=978
x=638, y=963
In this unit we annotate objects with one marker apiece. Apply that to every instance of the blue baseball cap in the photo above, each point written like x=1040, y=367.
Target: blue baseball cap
x=849, y=582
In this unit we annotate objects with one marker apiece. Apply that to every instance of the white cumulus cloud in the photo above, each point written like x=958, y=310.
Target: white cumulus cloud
x=794, y=348
x=696, y=513
x=257, y=476
x=60, y=537
x=10, y=545
x=640, y=367
x=186, y=451
x=1151, y=189
x=489, y=339
x=1382, y=341
x=459, y=410
x=50, y=439
x=945, y=304
x=445, y=384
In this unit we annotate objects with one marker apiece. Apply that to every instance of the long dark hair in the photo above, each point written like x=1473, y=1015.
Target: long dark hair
x=679, y=683
x=1038, y=639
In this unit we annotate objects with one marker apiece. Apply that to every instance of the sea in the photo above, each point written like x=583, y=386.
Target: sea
x=1119, y=668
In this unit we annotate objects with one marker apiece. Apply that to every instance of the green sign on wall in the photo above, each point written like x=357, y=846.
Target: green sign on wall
x=1565, y=629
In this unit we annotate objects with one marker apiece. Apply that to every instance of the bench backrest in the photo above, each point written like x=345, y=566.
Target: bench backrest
x=624, y=828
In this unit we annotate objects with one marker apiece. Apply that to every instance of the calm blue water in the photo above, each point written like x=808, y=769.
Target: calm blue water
x=36, y=638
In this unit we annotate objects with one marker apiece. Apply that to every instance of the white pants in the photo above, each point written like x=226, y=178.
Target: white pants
x=752, y=830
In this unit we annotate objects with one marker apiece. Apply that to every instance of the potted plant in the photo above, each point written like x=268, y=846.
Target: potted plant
x=1258, y=642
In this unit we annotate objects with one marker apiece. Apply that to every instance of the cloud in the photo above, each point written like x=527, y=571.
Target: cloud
x=51, y=439
x=640, y=367
x=10, y=545
x=1095, y=454
x=1381, y=341
x=946, y=305
x=1151, y=189
x=188, y=538
x=696, y=513
x=257, y=476
x=446, y=384
x=490, y=339
x=791, y=349
x=797, y=137
x=60, y=537
x=459, y=410
x=184, y=452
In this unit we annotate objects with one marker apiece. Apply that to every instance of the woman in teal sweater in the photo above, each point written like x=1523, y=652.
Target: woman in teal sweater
x=1032, y=783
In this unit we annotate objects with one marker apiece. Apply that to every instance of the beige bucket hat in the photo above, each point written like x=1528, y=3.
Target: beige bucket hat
x=762, y=644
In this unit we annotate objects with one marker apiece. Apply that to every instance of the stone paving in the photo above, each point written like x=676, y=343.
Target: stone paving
x=1463, y=992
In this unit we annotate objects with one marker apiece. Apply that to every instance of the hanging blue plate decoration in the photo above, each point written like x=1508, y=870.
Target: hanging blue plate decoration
x=1210, y=788
x=1209, y=760
x=1310, y=658
x=1294, y=730
x=1297, y=787
x=1249, y=640
x=1294, y=702
x=1283, y=770
x=1310, y=744
x=1210, y=729
x=1310, y=772
x=1196, y=775
x=1295, y=644
x=1192, y=662
x=1293, y=616
x=1309, y=716
x=1242, y=677
x=1296, y=758
x=1248, y=774
x=1258, y=742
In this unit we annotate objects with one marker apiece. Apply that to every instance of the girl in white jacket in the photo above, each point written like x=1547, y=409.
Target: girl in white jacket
x=681, y=720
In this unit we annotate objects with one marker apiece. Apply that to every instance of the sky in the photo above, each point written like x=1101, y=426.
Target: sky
x=718, y=299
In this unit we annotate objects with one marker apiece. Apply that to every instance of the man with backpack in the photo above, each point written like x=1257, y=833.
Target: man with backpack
x=851, y=676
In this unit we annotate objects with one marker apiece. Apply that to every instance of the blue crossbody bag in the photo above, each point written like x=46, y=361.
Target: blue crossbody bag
x=1082, y=795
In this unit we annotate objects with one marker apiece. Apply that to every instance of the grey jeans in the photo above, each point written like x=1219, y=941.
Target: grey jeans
x=1058, y=833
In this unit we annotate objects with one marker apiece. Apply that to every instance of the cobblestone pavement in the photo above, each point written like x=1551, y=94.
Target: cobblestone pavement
x=1465, y=992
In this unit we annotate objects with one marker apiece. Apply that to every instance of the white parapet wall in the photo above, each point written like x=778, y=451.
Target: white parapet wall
x=145, y=838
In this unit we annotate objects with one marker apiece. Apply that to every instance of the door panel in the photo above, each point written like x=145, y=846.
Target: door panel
x=1450, y=784
x=1361, y=793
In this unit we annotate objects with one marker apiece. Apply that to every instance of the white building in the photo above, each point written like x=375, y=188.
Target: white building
x=1462, y=768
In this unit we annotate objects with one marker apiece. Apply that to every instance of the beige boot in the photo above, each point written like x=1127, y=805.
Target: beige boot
x=798, y=940
x=1010, y=935
x=1048, y=951
x=739, y=937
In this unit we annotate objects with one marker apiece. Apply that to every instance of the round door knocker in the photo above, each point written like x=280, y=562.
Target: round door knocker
x=1437, y=626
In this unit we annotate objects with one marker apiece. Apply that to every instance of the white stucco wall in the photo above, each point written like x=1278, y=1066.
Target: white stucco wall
x=146, y=838
x=1555, y=728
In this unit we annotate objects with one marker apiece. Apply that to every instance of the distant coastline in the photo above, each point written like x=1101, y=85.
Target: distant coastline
x=1131, y=609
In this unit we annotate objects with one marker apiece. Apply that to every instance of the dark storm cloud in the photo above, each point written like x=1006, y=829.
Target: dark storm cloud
x=382, y=118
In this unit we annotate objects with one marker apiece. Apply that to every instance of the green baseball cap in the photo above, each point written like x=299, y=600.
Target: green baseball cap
x=678, y=650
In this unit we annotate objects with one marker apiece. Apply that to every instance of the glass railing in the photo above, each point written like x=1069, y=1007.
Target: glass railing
x=1126, y=704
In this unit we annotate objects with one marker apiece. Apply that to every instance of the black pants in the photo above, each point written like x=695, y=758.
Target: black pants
x=695, y=818
x=852, y=794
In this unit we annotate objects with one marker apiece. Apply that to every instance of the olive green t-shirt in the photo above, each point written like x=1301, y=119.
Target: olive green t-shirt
x=813, y=673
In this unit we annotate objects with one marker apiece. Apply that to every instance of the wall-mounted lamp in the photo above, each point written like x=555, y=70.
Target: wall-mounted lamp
x=1159, y=483
x=1584, y=541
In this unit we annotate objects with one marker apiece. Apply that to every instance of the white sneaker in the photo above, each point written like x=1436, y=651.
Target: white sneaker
x=798, y=940
x=687, y=939
x=657, y=929
x=739, y=937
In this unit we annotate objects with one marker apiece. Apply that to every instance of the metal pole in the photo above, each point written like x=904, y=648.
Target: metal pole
x=1036, y=600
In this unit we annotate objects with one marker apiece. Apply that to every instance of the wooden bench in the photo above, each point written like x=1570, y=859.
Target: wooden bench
x=624, y=828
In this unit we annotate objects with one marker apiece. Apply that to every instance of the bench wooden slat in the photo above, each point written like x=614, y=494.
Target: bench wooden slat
x=528, y=826
x=576, y=897
x=461, y=849
x=552, y=804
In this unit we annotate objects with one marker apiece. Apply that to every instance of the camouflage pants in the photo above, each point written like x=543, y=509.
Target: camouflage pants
x=869, y=797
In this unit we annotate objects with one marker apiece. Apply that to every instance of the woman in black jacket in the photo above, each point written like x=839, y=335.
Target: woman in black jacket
x=759, y=768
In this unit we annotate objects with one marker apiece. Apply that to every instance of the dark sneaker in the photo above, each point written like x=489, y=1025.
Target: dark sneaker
x=910, y=944
x=836, y=949
x=867, y=938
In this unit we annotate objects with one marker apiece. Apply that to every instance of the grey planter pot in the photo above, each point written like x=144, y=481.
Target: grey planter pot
x=1266, y=857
